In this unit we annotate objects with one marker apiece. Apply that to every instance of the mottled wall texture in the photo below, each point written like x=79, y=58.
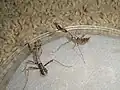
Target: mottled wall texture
x=21, y=20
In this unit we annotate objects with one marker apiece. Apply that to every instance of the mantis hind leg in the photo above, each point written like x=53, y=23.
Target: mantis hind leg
x=61, y=46
x=27, y=74
x=48, y=62
x=81, y=53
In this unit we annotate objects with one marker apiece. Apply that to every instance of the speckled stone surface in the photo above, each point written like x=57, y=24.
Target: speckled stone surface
x=22, y=20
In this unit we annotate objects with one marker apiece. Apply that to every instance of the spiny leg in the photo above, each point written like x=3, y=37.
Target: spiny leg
x=68, y=66
x=79, y=51
x=61, y=46
x=27, y=74
x=58, y=63
x=40, y=66
x=81, y=54
x=48, y=62
x=74, y=46
x=28, y=62
x=32, y=68
x=27, y=71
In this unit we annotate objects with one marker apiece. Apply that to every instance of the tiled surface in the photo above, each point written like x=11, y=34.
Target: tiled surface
x=101, y=71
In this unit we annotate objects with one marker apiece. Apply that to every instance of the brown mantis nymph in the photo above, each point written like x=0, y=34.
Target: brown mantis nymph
x=34, y=49
x=75, y=39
